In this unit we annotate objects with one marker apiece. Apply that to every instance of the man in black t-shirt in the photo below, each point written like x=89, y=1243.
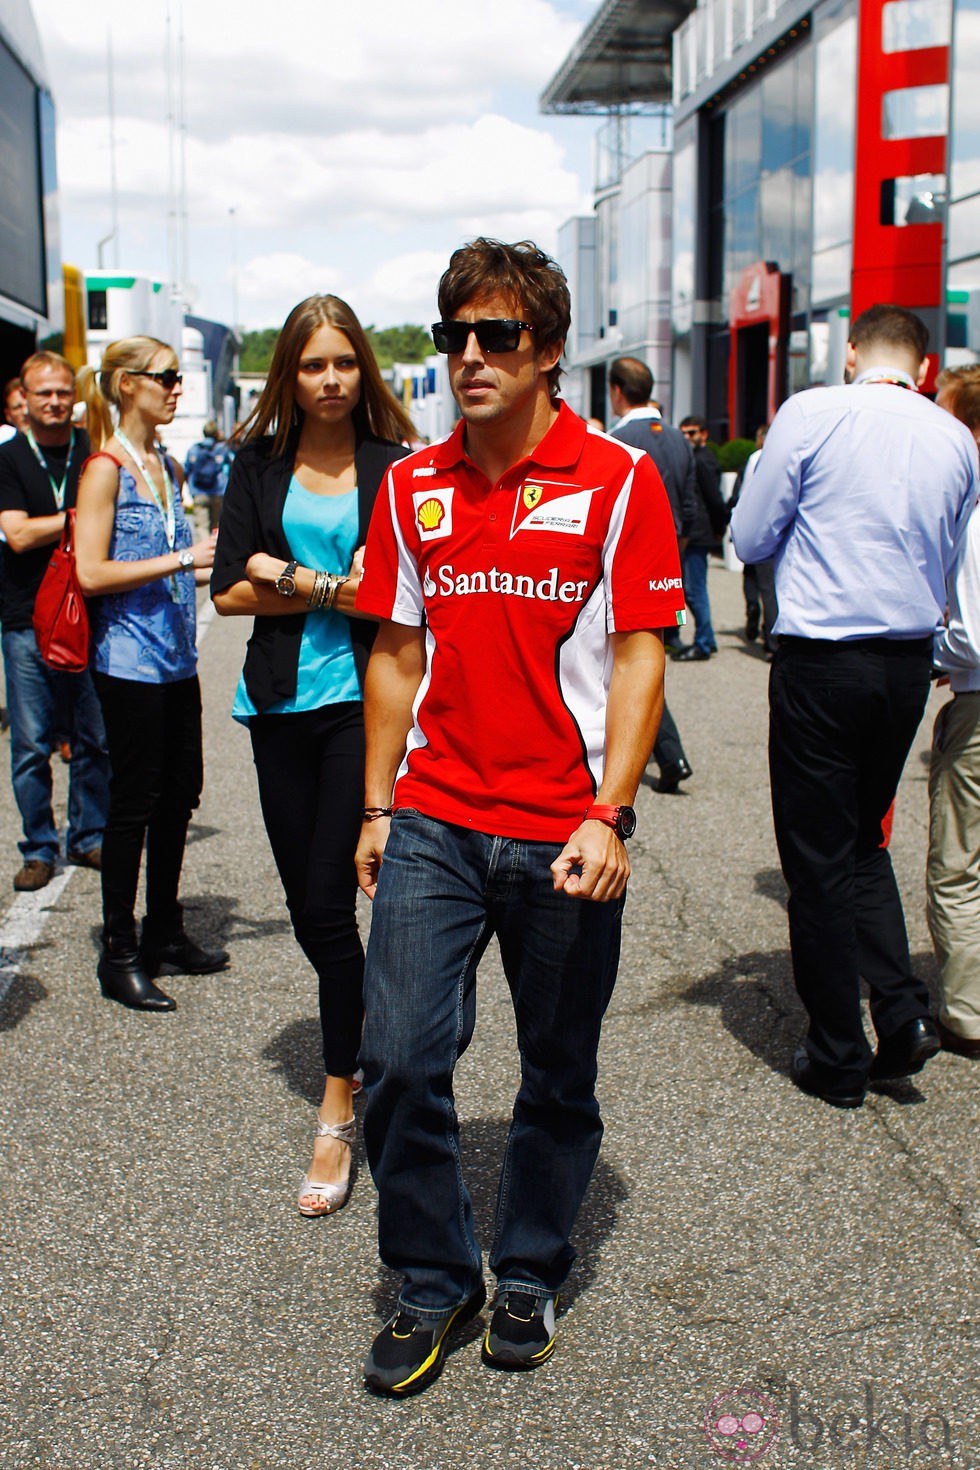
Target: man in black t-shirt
x=39, y=471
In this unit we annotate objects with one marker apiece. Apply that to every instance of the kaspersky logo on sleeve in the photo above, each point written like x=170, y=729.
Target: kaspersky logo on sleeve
x=433, y=512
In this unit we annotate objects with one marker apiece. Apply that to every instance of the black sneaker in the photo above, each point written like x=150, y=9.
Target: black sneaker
x=407, y=1353
x=521, y=1334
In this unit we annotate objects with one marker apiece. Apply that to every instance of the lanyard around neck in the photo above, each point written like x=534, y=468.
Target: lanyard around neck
x=57, y=490
x=894, y=376
x=167, y=512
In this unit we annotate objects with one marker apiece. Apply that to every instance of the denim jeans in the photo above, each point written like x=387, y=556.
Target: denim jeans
x=38, y=699
x=696, y=596
x=443, y=892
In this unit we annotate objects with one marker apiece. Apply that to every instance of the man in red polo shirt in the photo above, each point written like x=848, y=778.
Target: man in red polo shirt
x=522, y=571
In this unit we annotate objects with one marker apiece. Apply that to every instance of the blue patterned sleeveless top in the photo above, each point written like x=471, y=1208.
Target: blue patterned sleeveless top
x=147, y=634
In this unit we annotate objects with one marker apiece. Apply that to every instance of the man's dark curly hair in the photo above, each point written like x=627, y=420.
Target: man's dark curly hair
x=530, y=280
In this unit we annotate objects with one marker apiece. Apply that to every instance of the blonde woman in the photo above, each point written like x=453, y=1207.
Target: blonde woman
x=136, y=558
x=315, y=451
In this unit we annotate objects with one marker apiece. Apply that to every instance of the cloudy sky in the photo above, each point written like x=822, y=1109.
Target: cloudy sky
x=345, y=146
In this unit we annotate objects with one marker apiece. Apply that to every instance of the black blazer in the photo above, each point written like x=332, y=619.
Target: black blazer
x=251, y=520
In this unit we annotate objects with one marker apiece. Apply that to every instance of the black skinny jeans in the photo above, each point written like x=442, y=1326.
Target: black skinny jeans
x=310, y=769
x=153, y=732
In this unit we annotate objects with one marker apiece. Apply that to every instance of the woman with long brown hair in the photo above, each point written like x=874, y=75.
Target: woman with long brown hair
x=137, y=560
x=296, y=513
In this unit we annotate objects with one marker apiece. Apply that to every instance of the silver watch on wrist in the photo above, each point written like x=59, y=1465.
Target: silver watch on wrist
x=285, y=583
x=186, y=559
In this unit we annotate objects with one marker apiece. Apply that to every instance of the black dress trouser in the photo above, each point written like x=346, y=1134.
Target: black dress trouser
x=310, y=769
x=842, y=719
x=153, y=734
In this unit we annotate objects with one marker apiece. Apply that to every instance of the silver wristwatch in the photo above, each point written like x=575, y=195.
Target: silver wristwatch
x=186, y=559
x=285, y=583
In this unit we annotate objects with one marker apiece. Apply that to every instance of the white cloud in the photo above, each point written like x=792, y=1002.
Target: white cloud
x=348, y=132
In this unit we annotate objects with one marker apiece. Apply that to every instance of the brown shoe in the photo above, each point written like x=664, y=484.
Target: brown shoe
x=33, y=875
x=90, y=859
x=963, y=1046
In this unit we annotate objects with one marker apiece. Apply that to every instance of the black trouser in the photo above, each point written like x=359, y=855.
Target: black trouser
x=842, y=719
x=153, y=732
x=310, y=770
x=667, y=748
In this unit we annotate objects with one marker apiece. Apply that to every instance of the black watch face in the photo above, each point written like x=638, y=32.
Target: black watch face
x=626, y=822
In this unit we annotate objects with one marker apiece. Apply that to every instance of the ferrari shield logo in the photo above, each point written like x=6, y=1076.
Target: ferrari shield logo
x=532, y=494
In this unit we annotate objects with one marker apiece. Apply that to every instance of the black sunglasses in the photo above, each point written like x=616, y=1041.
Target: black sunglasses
x=168, y=379
x=494, y=334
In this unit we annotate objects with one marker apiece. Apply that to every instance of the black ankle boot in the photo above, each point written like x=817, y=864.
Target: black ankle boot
x=176, y=949
x=124, y=979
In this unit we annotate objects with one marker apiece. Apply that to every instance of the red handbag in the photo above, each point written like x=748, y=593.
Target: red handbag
x=60, y=614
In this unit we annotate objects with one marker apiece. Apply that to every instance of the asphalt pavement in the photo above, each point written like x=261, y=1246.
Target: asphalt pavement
x=760, y=1278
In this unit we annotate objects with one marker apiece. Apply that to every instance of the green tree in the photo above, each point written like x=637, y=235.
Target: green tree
x=407, y=343
x=257, y=350
x=400, y=344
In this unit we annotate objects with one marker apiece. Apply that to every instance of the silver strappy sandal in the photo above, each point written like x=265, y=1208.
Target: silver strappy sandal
x=328, y=1198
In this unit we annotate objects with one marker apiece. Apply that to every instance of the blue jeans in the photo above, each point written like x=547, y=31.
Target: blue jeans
x=696, y=596
x=36, y=697
x=443, y=892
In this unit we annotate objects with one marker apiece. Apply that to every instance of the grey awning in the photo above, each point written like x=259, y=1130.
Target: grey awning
x=623, y=58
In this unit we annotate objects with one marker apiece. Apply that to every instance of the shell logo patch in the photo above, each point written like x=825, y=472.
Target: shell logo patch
x=532, y=494
x=433, y=512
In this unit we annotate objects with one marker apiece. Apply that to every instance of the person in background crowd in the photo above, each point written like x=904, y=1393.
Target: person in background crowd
x=206, y=472
x=511, y=701
x=135, y=559
x=14, y=409
x=705, y=534
x=758, y=579
x=953, y=865
x=39, y=470
x=863, y=495
x=641, y=424
x=313, y=454
x=14, y=418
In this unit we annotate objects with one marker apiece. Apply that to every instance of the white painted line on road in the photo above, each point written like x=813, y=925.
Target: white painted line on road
x=24, y=921
x=23, y=924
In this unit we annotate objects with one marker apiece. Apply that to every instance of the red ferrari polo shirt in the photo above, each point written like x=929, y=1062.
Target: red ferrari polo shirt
x=518, y=584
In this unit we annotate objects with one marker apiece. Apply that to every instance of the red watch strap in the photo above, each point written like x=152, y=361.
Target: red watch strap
x=600, y=813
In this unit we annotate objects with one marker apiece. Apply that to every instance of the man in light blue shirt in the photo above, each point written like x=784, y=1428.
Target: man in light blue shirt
x=862, y=494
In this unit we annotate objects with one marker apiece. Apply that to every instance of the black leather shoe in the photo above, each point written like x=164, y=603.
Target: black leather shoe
x=181, y=954
x=906, y=1051
x=803, y=1074
x=691, y=654
x=671, y=776
x=963, y=1046
x=123, y=979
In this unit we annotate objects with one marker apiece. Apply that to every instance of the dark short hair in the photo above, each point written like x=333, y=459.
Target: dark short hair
x=534, y=284
x=633, y=379
x=894, y=326
x=963, y=386
x=693, y=422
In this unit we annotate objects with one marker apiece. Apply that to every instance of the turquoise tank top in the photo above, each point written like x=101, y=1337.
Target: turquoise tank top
x=322, y=533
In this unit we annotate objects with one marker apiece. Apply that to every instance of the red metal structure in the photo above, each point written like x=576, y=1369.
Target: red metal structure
x=893, y=262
